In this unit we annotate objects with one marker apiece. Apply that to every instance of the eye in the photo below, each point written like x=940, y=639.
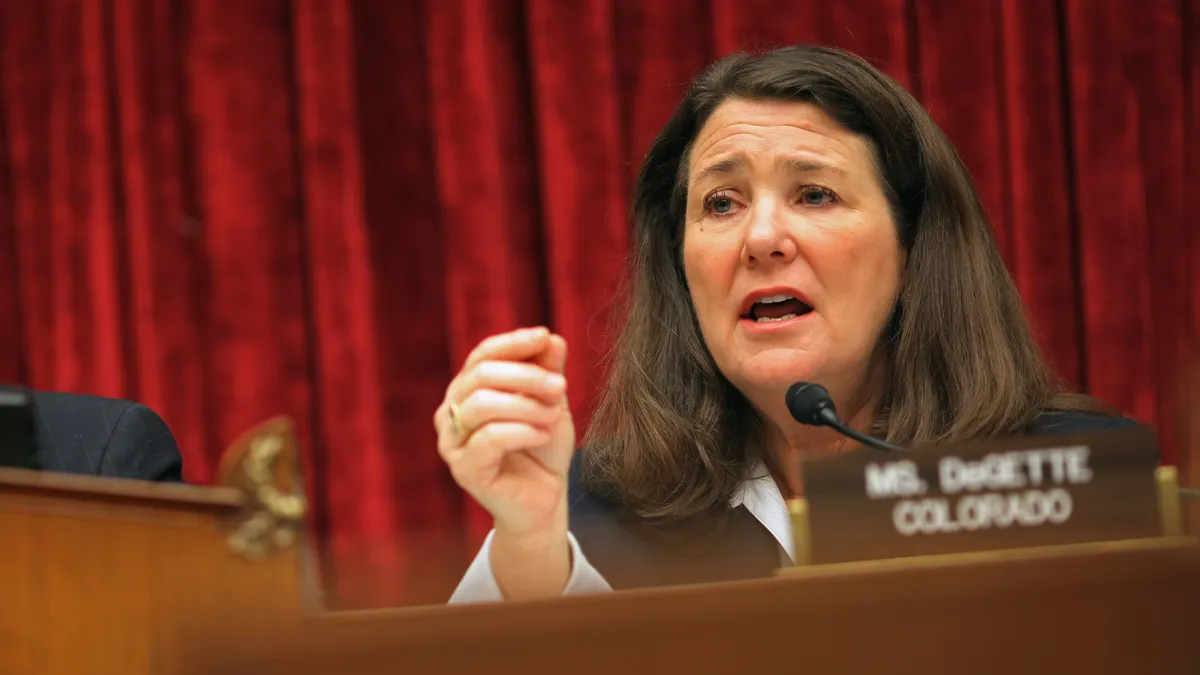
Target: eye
x=815, y=196
x=720, y=203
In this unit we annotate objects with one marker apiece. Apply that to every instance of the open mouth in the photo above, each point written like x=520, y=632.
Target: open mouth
x=776, y=308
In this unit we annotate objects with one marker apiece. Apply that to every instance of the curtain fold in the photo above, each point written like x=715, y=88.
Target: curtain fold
x=1129, y=162
x=241, y=101
x=572, y=50
x=487, y=173
x=166, y=260
x=655, y=59
x=341, y=284
x=1041, y=252
x=882, y=31
x=316, y=208
x=12, y=348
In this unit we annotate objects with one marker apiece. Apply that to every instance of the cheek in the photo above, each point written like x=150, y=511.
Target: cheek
x=861, y=273
x=708, y=271
x=877, y=268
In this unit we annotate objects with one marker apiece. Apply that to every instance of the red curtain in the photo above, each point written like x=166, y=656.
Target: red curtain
x=232, y=210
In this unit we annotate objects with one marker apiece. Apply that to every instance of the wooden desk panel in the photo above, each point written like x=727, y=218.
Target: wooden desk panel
x=1119, y=611
x=100, y=575
x=107, y=576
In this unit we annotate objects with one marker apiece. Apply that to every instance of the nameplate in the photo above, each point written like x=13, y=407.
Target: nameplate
x=983, y=496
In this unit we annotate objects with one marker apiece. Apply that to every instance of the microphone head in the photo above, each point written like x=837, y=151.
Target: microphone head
x=806, y=400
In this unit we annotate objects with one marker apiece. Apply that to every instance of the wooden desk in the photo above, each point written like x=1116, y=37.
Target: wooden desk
x=1124, y=609
x=101, y=575
x=106, y=576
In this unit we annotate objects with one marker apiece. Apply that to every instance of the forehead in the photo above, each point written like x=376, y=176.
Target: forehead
x=780, y=128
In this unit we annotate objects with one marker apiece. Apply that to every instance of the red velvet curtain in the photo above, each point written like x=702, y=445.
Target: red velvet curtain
x=232, y=210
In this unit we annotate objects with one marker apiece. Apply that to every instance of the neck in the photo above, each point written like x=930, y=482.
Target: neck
x=790, y=443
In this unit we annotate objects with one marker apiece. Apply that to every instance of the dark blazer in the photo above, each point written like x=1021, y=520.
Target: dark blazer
x=103, y=437
x=630, y=555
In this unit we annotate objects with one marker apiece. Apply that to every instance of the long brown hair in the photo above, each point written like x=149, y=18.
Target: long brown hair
x=671, y=438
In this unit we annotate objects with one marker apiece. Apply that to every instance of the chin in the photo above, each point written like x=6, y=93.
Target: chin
x=780, y=368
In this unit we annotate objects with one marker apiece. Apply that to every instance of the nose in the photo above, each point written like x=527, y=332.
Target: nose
x=767, y=236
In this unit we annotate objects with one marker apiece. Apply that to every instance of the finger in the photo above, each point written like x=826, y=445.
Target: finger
x=488, y=405
x=554, y=359
x=441, y=416
x=521, y=378
x=479, y=461
x=442, y=420
x=450, y=440
x=518, y=345
x=447, y=437
x=554, y=356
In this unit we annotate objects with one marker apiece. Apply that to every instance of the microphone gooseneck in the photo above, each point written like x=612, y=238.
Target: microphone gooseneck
x=810, y=403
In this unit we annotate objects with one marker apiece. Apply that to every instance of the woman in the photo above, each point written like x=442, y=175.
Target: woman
x=800, y=217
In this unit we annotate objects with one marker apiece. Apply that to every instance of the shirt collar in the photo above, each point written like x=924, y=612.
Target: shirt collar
x=762, y=498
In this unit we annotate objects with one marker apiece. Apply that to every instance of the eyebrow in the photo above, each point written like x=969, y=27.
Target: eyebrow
x=788, y=164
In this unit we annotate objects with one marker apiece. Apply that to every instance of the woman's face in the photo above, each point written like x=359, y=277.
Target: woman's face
x=790, y=252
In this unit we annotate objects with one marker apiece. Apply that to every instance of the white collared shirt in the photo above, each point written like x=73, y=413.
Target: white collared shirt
x=759, y=494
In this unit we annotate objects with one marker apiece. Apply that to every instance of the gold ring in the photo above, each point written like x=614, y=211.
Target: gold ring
x=456, y=420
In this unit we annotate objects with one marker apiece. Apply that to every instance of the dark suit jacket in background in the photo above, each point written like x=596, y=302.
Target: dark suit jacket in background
x=629, y=555
x=103, y=437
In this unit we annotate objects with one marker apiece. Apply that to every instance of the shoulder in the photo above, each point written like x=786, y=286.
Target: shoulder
x=81, y=433
x=631, y=552
x=609, y=541
x=584, y=502
x=58, y=407
x=1061, y=421
x=95, y=417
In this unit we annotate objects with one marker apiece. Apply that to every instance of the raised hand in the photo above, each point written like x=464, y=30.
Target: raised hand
x=505, y=431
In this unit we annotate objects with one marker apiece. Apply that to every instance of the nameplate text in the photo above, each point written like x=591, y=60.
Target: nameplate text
x=1011, y=493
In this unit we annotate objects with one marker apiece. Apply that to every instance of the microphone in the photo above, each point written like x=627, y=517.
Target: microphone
x=810, y=403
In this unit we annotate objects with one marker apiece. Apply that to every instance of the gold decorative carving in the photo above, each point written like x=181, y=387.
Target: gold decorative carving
x=264, y=464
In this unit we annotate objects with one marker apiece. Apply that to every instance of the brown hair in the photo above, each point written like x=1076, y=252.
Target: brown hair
x=671, y=438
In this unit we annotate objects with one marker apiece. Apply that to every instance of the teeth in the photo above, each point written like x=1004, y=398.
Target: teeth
x=767, y=319
x=774, y=299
